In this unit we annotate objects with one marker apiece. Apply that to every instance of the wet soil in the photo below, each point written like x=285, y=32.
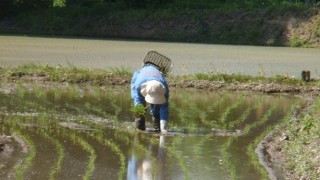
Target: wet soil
x=269, y=150
x=269, y=88
x=7, y=148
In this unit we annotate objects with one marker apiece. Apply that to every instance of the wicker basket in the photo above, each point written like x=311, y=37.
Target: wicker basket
x=164, y=63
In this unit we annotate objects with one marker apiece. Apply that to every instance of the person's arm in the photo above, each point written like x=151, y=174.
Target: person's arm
x=133, y=80
x=135, y=90
x=138, y=97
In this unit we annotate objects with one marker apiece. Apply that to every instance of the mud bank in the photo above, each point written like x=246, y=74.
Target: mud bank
x=268, y=88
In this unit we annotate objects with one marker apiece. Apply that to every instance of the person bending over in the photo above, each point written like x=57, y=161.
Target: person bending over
x=148, y=85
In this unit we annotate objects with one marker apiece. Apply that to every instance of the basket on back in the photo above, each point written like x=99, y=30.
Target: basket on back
x=164, y=63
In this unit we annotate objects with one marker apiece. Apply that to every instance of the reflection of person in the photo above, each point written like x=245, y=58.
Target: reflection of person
x=148, y=85
x=140, y=165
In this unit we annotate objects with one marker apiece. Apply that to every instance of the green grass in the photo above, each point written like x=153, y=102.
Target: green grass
x=303, y=145
x=76, y=75
x=69, y=74
x=240, y=78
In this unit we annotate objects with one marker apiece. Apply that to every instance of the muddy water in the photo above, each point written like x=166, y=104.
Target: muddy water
x=188, y=58
x=84, y=133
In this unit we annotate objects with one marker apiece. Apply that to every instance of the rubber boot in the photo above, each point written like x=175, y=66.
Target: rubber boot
x=140, y=123
x=163, y=126
x=156, y=124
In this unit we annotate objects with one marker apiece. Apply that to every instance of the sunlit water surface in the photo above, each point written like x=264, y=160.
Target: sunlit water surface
x=188, y=58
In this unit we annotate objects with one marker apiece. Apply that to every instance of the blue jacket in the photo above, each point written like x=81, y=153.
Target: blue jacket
x=142, y=75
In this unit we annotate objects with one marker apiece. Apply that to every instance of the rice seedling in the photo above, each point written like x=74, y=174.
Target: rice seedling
x=227, y=157
x=60, y=151
x=123, y=136
x=197, y=148
x=211, y=108
x=115, y=148
x=186, y=111
x=172, y=150
x=138, y=111
x=181, y=161
x=56, y=167
x=99, y=136
x=225, y=148
x=20, y=169
x=252, y=146
x=254, y=159
x=83, y=105
x=224, y=115
x=92, y=157
x=78, y=139
x=243, y=117
x=260, y=122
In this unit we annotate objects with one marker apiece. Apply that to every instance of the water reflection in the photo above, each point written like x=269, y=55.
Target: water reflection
x=142, y=166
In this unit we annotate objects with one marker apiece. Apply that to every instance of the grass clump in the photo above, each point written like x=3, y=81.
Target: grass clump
x=303, y=145
x=240, y=78
x=121, y=76
x=71, y=74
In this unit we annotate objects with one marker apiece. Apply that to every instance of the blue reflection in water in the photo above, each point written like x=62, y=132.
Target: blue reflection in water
x=141, y=167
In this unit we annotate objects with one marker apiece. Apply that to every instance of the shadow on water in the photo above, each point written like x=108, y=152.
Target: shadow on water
x=88, y=133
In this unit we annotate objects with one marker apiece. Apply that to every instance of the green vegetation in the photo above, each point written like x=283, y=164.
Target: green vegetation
x=138, y=110
x=20, y=169
x=179, y=157
x=56, y=168
x=92, y=7
x=235, y=105
x=263, y=120
x=252, y=154
x=119, y=76
x=69, y=74
x=303, y=145
x=223, y=22
x=231, y=78
x=296, y=42
x=252, y=146
x=91, y=103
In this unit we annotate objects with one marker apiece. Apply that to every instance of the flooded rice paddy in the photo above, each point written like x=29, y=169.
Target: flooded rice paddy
x=68, y=132
x=188, y=58
x=88, y=133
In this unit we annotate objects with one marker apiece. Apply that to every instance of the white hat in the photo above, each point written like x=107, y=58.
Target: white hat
x=154, y=92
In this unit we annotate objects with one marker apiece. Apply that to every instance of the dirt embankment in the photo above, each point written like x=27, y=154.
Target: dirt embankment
x=269, y=88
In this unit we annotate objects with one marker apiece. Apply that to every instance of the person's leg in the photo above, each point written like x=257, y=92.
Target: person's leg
x=155, y=113
x=164, y=112
x=140, y=123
